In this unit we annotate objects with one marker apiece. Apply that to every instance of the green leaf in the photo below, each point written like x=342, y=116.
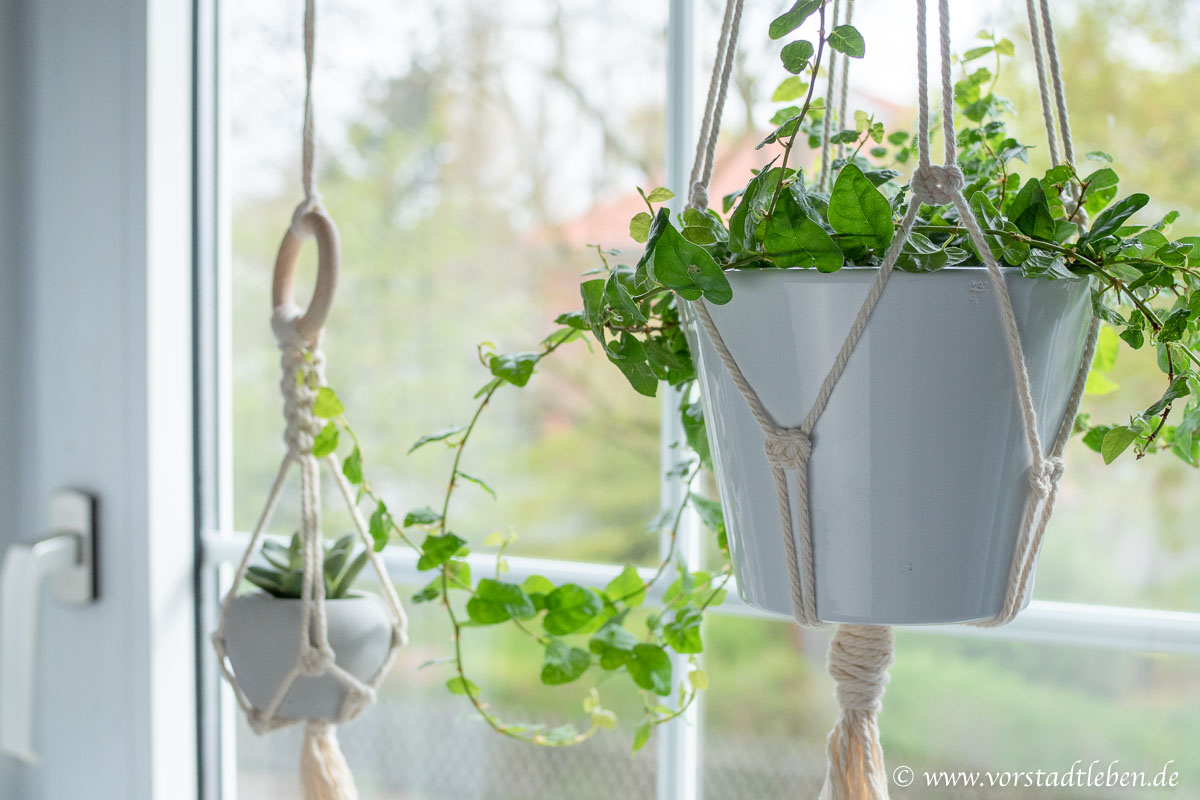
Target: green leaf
x=421, y=516
x=692, y=418
x=1031, y=213
x=678, y=264
x=480, y=482
x=463, y=686
x=444, y=433
x=537, y=584
x=846, y=39
x=1114, y=217
x=1011, y=251
x=352, y=467
x=1099, y=155
x=791, y=19
x=1116, y=441
x=1176, y=390
x=614, y=645
x=345, y=582
x=698, y=678
x=639, y=227
x=660, y=194
x=380, y=526
x=682, y=633
x=569, y=608
x=496, y=601
x=795, y=56
x=791, y=88
x=712, y=517
x=629, y=356
x=627, y=587
x=1134, y=337
x=1174, y=326
x=977, y=52
x=650, y=668
x=641, y=734
x=327, y=405
x=1101, y=189
x=326, y=441
x=563, y=663
x=516, y=368
x=794, y=240
x=860, y=211
x=437, y=550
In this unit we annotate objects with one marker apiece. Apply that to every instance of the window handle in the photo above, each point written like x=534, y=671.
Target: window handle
x=66, y=557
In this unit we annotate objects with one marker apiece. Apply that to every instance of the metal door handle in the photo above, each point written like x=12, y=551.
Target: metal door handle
x=67, y=557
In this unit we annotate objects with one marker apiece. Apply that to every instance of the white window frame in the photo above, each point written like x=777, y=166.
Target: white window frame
x=95, y=270
x=1078, y=624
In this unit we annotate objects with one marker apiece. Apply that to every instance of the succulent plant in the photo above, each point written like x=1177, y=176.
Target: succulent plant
x=284, y=577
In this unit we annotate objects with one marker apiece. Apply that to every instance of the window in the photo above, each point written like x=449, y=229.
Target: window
x=519, y=128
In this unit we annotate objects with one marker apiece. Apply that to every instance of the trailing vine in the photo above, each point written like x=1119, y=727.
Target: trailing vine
x=1065, y=224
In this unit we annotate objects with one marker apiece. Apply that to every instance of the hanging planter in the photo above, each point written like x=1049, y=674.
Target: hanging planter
x=308, y=650
x=261, y=630
x=918, y=477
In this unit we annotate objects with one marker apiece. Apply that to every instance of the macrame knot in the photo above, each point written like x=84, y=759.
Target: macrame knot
x=312, y=202
x=698, y=197
x=399, y=636
x=788, y=448
x=298, y=358
x=357, y=699
x=316, y=661
x=937, y=186
x=859, y=656
x=258, y=721
x=1046, y=478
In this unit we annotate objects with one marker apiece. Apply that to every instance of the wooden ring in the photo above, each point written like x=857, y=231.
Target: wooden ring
x=316, y=222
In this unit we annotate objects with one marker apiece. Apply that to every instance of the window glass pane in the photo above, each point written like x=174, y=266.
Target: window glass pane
x=470, y=153
x=952, y=704
x=1123, y=534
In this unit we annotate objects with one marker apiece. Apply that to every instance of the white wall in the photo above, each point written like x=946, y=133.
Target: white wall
x=95, y=345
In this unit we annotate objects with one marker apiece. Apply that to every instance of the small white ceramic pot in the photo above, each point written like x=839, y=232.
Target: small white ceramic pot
x=919, y=471
x=262, y=639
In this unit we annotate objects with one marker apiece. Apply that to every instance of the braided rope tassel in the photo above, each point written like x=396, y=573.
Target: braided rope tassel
x=859, y=657
x=323, y=770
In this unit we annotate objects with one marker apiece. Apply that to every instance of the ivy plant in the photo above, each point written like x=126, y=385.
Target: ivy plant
x=1068, y=223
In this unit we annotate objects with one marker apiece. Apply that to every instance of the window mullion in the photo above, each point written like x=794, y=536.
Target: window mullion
x=678, y=741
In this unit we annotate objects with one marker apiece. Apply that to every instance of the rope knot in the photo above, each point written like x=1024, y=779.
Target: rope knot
x=788, y=448
x=698, y=196
x=357, y=699
x=299, y=358
x=1046, y=478
x=399, y=636
x=259, y=723
x=937, y=185
x=311, y=202
x=316, y=661
x=859, y=657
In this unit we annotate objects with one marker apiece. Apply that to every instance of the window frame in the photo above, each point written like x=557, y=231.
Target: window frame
x=1141, y=630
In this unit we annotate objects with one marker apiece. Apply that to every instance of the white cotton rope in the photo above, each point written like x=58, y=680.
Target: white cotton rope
x=827, y=117
x=323, y=770
x=859, y=655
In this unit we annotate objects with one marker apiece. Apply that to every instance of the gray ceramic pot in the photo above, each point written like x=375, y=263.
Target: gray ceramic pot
x=919, y=468
x=262, y=638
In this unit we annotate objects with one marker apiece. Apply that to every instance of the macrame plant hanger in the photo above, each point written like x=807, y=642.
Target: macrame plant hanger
x=323, y=771
x=859, y=655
